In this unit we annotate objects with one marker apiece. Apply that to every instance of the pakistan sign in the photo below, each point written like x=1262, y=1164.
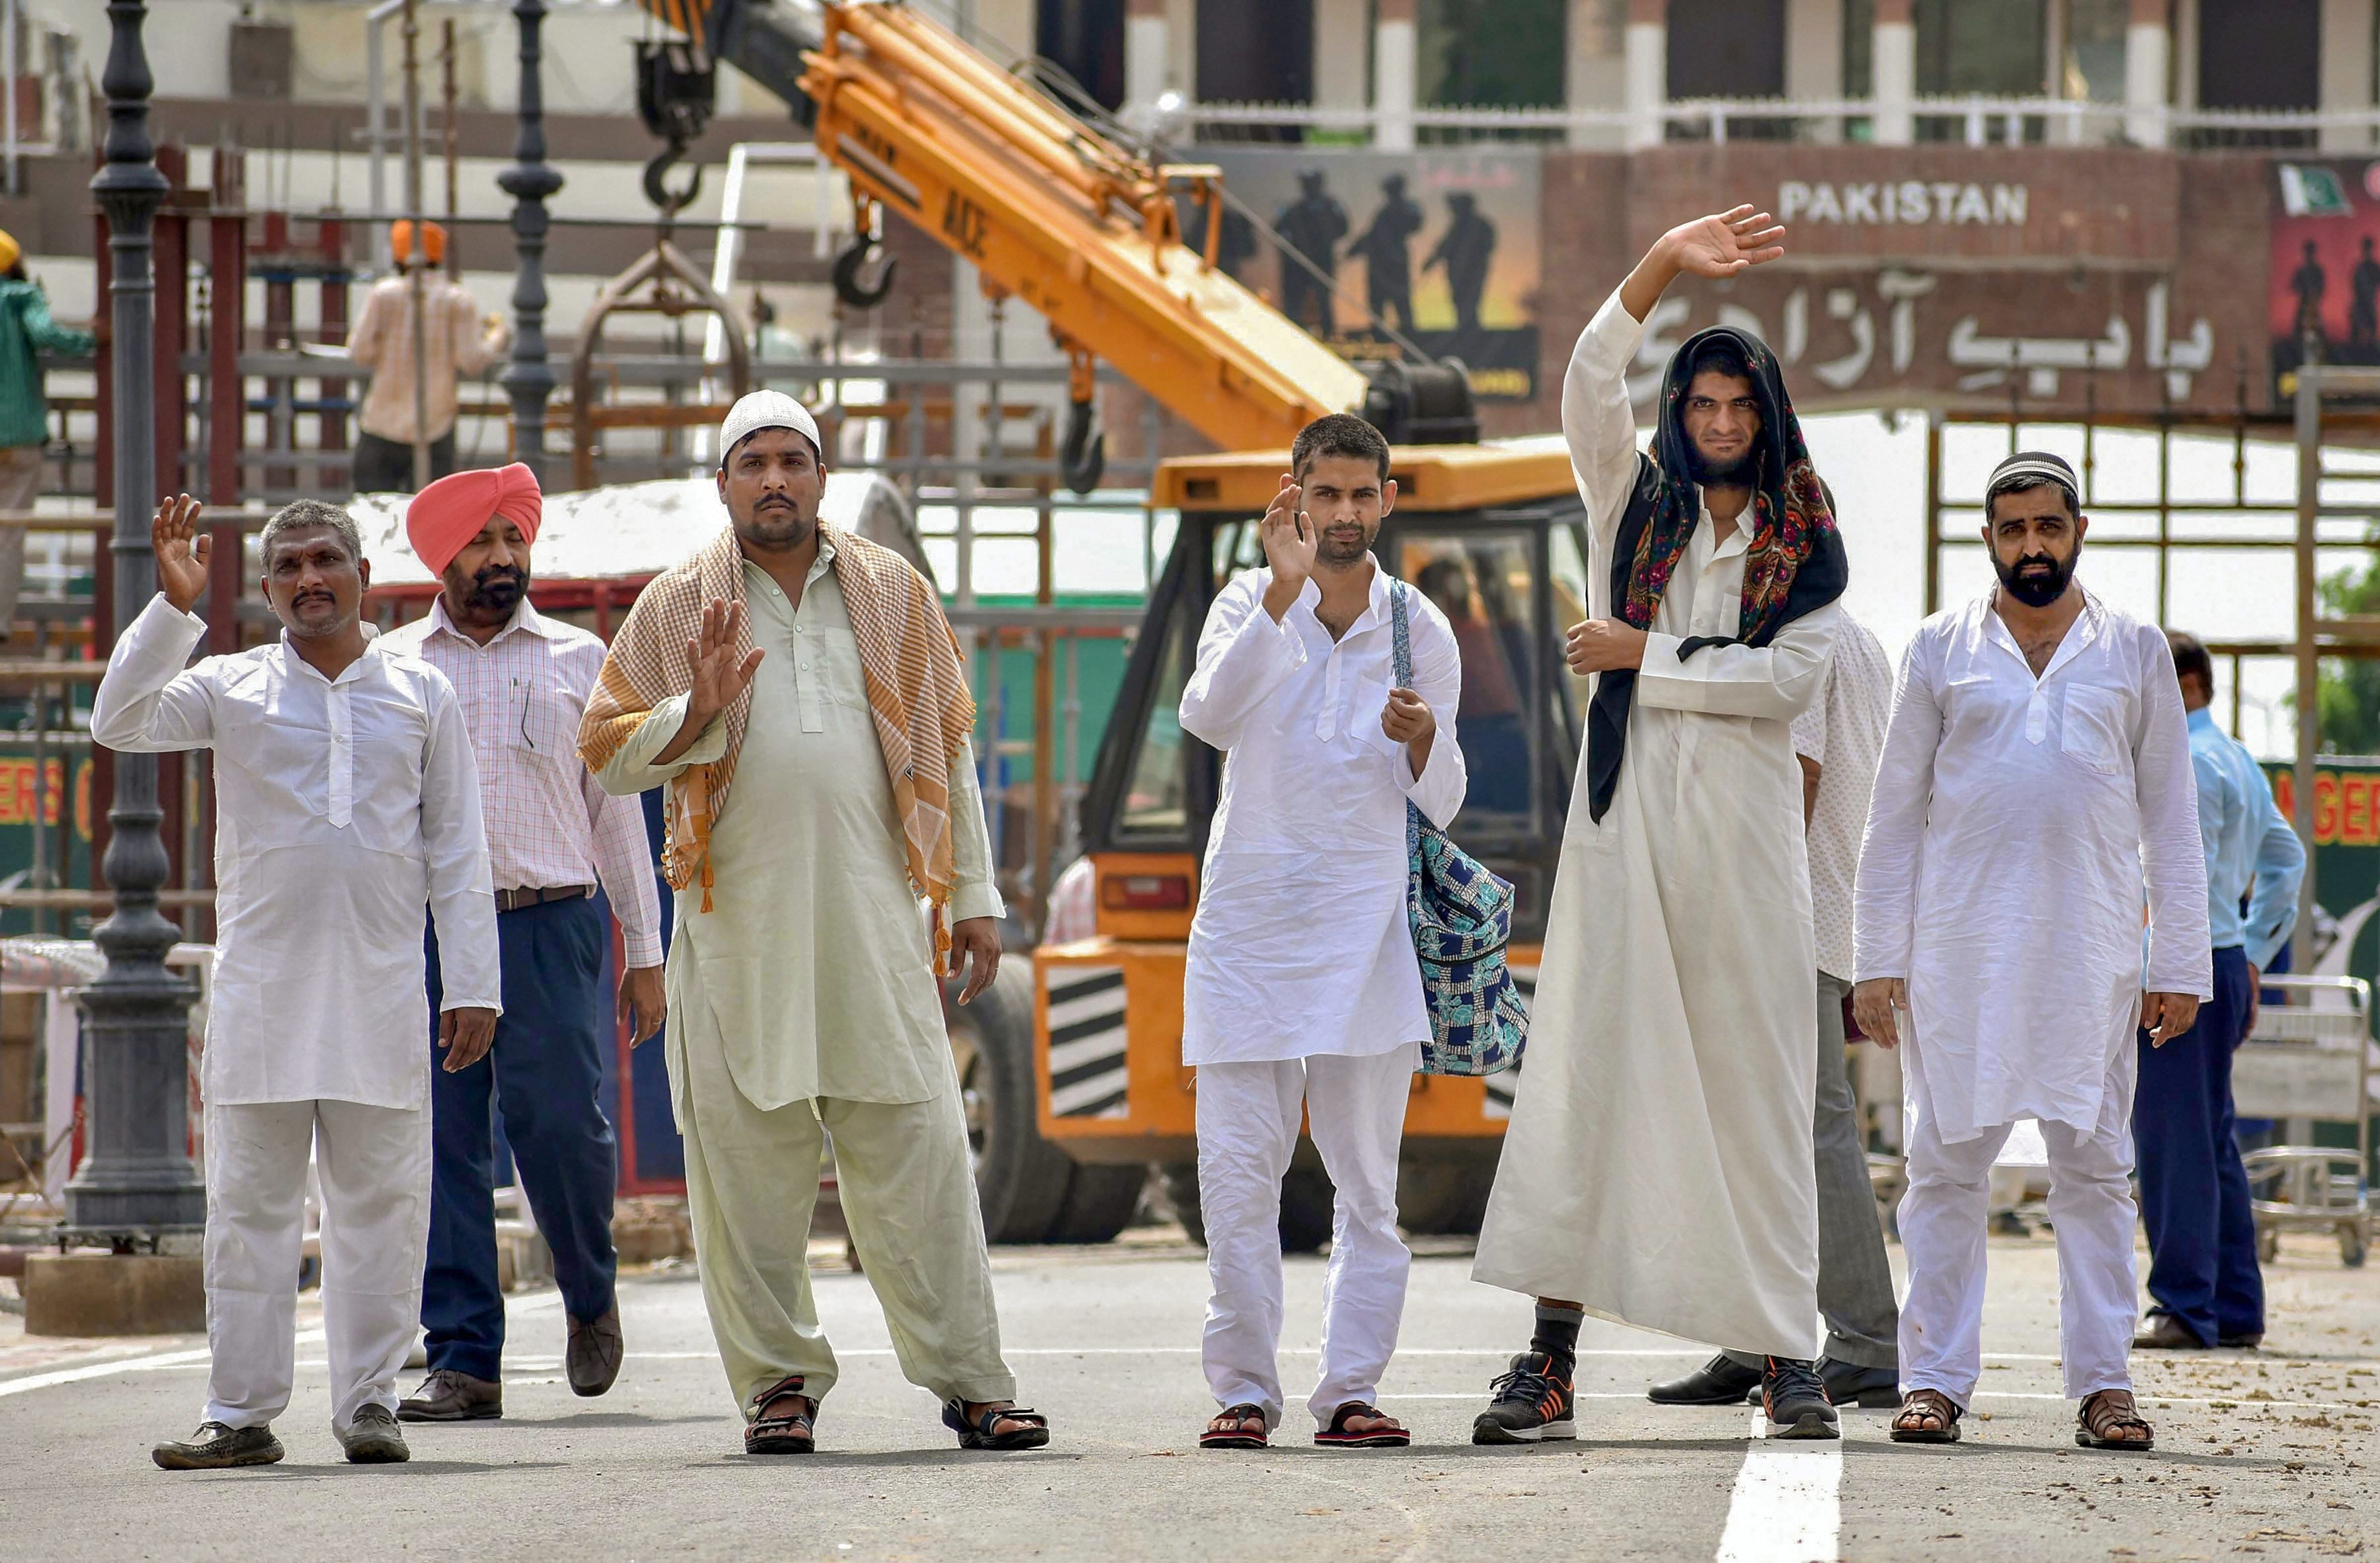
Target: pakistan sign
x=1907, y=201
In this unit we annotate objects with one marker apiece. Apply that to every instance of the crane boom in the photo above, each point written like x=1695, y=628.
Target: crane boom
x=1051, y=212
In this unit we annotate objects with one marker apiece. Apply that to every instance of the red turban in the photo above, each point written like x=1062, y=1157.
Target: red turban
x=453, y=510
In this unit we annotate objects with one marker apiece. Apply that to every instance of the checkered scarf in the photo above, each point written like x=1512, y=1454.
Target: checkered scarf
x=908, y=659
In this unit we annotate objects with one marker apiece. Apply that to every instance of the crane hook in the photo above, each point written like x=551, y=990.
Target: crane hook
x=657, y=188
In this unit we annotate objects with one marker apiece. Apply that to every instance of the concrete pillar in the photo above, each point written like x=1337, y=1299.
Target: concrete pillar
x=1813, y=58
x=1594, y=68
x=2148, y=66
x=1394, y=75
x=1646, y=46
x=1341, y=48
x=1146, y=36
x=2346, y=70
x=1895, y=70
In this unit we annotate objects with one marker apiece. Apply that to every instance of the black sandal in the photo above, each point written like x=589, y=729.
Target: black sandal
x=1238, y=1436
x=1337, y=1435
x=978, y=1434
x=796, y=1433
x=1927, y=1402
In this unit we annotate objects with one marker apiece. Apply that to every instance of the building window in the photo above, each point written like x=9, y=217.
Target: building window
x=1726, y=48
x=2091, y=65
x=1987, y=48
x=1491, y=53
x=1859, y=48
x=2257, y=54
x=1085, y=39
x=1255, y=52
x=2260, y=54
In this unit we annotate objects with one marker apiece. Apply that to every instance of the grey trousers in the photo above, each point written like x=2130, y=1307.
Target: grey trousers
x=1854, y=1278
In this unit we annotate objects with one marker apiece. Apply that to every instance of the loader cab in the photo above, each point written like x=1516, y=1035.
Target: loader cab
x=1495, y=536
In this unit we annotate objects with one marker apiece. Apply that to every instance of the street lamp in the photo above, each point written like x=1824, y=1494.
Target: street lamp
x=531, y=181
x=138, y=1182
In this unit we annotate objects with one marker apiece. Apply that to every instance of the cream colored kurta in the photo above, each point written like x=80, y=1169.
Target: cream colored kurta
x=813, y=965
x=1658, y=1169
x=804, y=1007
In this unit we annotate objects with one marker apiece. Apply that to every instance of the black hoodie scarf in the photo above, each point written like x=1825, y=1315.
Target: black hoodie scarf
x=1793, y=562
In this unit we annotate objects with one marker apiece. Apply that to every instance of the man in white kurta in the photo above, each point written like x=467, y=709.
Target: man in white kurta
x=1659, y=1168
x=1302, y=994
x=2035, y=793
x=346, y=803
x=802, y=999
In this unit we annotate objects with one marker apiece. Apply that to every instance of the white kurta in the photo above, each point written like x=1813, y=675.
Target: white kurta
x=343, y=808
x=1658, y=1169
x=2018, y=828
x=1301, y=946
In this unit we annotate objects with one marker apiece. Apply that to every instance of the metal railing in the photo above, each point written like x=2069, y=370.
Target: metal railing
x=1974, y=120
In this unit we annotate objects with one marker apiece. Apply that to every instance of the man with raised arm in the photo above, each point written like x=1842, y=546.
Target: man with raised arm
x=800, y=692
x=1660, y=1166
x=346, y=801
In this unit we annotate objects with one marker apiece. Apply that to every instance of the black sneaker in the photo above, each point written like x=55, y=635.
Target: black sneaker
x=1531, y=1403
x=215, y=1447
x=1796, y=1400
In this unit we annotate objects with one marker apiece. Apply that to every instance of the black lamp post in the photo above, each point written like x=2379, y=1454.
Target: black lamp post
x=531, y=181
x=138, y=1181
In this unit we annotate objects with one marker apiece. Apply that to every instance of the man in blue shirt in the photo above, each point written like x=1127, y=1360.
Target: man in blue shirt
x=2202, y=1270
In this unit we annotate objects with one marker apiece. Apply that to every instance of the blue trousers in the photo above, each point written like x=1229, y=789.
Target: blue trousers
x=542, y=1072
x=2193, y=1189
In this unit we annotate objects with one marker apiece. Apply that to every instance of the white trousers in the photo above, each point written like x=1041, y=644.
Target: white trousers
x=374, y=1164
x=1943, y=1214
x=1249, y=1118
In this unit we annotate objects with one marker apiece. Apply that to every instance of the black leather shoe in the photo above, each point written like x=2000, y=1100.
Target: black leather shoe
x=217, y=1448
x=593, y=1356
x=449, y=1396
x=2244, y=1342
x=1870, y=1389
x=1720, y=1382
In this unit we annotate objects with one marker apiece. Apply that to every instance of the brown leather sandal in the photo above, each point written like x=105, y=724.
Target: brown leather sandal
x=2105, y=1415
x=1909, y=1426
x=793, y=1433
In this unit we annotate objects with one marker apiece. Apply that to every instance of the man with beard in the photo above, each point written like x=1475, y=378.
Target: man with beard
x=345, y=801
x=2035, y=793
x=1659, y=1168
x=552, y=834
x=798, y=690
x=1302, y=996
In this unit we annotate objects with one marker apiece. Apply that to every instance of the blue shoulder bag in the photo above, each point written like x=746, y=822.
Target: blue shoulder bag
x=1461, y=919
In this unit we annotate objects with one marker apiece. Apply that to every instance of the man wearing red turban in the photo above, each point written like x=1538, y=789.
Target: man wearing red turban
x=552, y=835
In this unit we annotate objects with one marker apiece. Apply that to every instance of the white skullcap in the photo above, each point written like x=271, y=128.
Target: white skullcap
x=765, y=409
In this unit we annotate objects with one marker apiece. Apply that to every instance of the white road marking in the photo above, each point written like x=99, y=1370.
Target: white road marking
x=1787, y=1504
x=194, y=1357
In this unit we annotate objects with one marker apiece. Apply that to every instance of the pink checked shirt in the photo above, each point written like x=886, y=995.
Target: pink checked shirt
x=548, y=822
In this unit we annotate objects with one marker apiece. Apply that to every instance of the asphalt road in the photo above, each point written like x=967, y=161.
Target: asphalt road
x=2259, y=1453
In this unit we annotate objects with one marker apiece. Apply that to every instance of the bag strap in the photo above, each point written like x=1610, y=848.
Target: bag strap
x=1400, y=635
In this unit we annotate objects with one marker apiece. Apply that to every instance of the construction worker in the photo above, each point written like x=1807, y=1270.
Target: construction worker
x=26, y=330
x=458, y=341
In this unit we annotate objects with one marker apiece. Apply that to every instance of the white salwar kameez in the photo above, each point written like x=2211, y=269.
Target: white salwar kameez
x=1302, y=996
x=2018, y=828
x=1658, y=1169
x=343, y=809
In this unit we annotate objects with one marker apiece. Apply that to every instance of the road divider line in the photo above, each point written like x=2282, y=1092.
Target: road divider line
x=188, y=1357
x=1787, y=1506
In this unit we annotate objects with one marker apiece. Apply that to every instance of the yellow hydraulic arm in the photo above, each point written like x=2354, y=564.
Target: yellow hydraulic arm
x=1047, y=209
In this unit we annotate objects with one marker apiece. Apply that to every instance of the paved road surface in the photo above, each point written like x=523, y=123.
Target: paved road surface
x=2260, y=1453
